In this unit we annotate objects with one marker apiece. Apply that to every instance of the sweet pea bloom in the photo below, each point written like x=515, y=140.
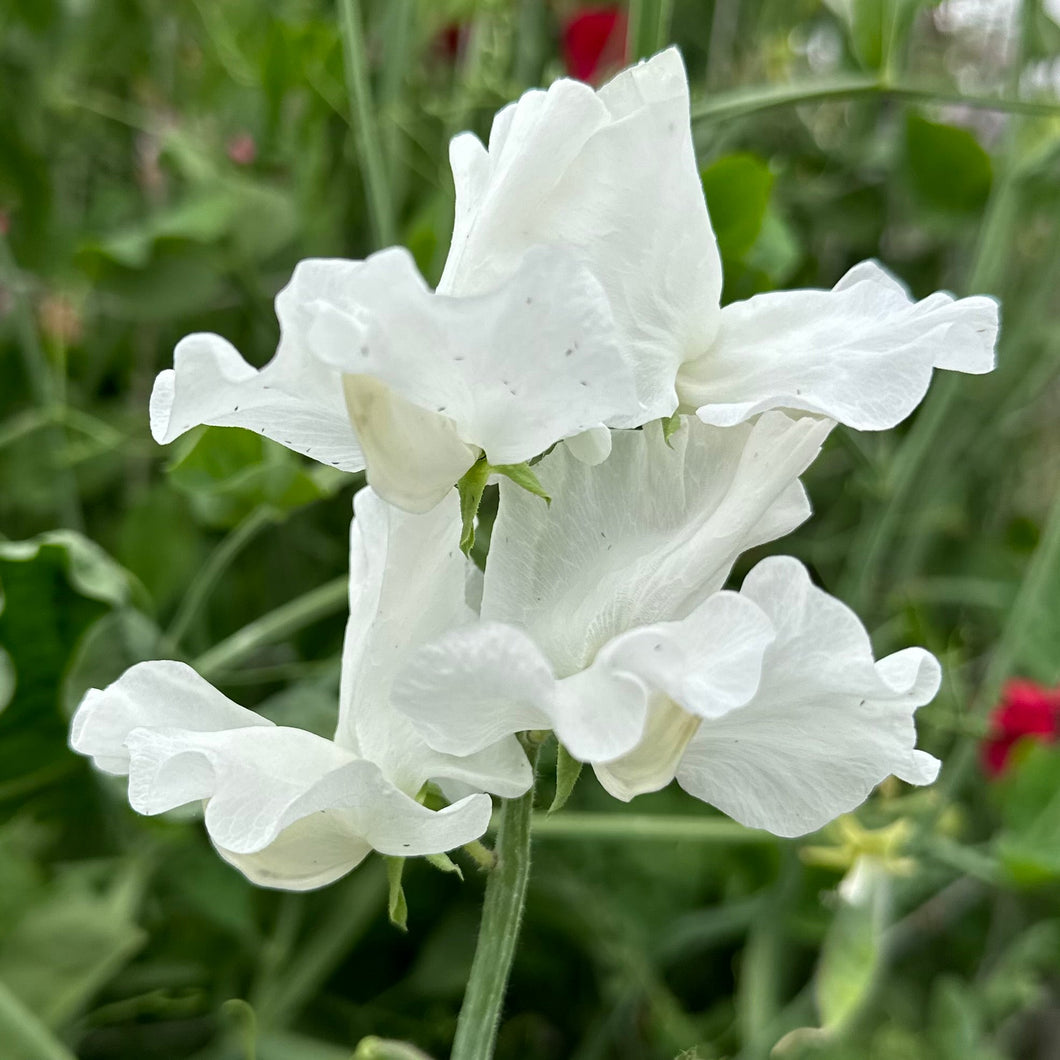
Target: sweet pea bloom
x=613, y=176
x=1027, y=711
x=288, y=808
x=594, y=41
x=603, y=619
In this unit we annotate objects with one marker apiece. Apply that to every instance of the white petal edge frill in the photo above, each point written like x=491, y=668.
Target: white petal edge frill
x=515, y=368
x=294, y=400
x=288, y=808
x=861, y=353
x=610, y=175
x=827, y=723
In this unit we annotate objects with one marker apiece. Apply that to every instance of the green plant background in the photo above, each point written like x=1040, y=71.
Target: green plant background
x=827, y=133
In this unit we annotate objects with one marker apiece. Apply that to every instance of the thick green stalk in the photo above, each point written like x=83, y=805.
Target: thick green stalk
x=502, y=915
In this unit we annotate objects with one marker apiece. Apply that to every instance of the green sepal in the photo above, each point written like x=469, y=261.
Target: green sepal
x=470, y=488
x=568, y=769
x=444, y=863
x=522, y=476
x=397, y=907
x=670, y=426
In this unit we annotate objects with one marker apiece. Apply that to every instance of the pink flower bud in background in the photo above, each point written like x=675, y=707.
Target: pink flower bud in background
x=1026, y=710
x=241, y=149
x=594, y=42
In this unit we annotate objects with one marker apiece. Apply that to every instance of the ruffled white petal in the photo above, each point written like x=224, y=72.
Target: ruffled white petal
x=591, y=447
x=322, y=807
x=475, y=686
x=612, y=176
x=471, y=688
x=515, y=368
x=862, y=353
x=408, y=583
x=826, y=725
x=294, y=400
x=647, y=535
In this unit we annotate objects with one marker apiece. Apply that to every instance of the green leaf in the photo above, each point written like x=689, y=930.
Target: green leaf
x=444, y=863
x=522, y=475
x=227, y=473
x=397, y=907
x=568, y=769
x=1029, y=793
x=737, y=188
x=470, y=489
x=948, y=169
x=54, y=588
x=71, y=942
x=23, y=1035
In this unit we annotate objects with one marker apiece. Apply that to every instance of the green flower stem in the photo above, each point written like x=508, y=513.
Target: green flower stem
x=213, y=569
x=646, y=826
x=502, y=914
x=740, y=103
x=303, y=611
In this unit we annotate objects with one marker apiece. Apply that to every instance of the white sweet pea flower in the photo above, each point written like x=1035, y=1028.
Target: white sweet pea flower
x=826, y=724
x=375, y=369
x=610, y=175
x=861, y=353
x=597, y=607
x=288, y=808
x=603, y=620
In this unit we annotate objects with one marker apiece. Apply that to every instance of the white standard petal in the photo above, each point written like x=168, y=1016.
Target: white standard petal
x=408, y=585
x=516, y=369
x=827, y=723
x=294, y=400
x=862, y=353
x=611, y=175
x=647, y=535
x=291, y=808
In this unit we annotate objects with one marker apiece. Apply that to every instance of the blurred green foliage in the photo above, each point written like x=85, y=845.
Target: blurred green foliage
x=162, y=168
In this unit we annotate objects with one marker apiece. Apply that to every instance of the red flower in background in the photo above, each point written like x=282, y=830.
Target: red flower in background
x=594, y=42
x=1026, y=710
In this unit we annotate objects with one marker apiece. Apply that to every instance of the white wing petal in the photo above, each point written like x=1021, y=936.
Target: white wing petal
x=294, y=809
x=408, y=581
x=862, y=353
x=294, y=400
x=826, y=725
